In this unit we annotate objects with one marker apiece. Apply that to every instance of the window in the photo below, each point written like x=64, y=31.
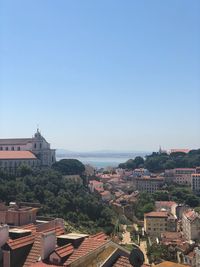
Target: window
x=18, y=148
x=35, y=145
x=12, y=148
x=6, y=148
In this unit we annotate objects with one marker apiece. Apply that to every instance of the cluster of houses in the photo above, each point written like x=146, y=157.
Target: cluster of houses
x=119, y=180
x=27, y=240
x=178, y=228
x=30, y=241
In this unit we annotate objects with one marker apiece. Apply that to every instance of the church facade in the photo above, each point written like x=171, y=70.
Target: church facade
x=35, y=151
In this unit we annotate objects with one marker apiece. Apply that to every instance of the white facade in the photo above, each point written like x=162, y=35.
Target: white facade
x=37, y=145
x=191, y=225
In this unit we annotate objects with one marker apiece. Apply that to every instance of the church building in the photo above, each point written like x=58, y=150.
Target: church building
x=33, y=152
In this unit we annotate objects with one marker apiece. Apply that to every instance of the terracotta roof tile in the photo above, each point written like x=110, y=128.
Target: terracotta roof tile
x=122, y=262
x=30, y=226
x=100, y=236
x=34, y=253
x=170, y=264
x=17, y=155
x=156, y=214
x=21, y=242
x=191, y=215
x=87, y=246
x=64, y=251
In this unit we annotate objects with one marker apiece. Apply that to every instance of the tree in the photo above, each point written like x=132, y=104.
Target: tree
x=139, y=161
x=69, y=167
x=192, y=201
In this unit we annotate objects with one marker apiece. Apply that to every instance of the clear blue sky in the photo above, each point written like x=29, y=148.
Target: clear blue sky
x=108, y=74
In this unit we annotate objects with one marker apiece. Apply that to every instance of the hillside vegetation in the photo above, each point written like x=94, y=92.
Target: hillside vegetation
x=157, y=162
x=59, y=197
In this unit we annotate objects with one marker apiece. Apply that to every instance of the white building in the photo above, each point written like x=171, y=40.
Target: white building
x=39, y=148
x=191, y=225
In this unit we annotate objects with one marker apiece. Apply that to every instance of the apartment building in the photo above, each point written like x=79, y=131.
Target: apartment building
x=149, y=184
x=195, y=184
x=157, y=222
x=191, y=225
x=180, y=176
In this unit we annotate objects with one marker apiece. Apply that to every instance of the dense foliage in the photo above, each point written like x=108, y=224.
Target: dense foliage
x=145, y=204
x=69, y=166
x=58, y=197
x=157, y=162
x=137, y=162
x=157, y=252
x=177, y=193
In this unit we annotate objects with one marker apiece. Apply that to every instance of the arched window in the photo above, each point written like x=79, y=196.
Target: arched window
x=35, y=145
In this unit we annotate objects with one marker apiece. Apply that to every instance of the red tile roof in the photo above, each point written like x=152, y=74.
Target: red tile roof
x=159, y=214
x=100, y=236
x=124, y=262
x=17, y=155
x=191, y=215
x=170, y=264
x=87, y=246
x=58, y=230
x=34, y=253
x=30, y=226
x=64, y=251
x=21, y=242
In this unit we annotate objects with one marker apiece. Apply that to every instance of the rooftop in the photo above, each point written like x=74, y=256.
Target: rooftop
x=21, y=242
x=64, y=250
x=170, y=264
x=191, y=215
x=159, y=214
x=87, y=246
x=73, y=236
x=17, y=155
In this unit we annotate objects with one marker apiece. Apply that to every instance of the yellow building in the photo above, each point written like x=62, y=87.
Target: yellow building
x=157, y=222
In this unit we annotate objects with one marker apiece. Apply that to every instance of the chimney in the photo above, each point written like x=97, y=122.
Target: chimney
x=4, y=233
x=48, y=243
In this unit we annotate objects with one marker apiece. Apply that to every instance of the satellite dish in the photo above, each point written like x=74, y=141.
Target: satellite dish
x=136, y=257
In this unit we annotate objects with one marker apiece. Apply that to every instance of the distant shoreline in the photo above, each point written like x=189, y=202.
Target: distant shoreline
x=101, y=160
